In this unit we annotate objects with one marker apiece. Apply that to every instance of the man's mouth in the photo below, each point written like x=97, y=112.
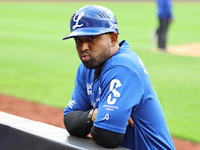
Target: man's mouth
x=85, y=57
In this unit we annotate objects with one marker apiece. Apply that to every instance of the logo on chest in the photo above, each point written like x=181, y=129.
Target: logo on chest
x=113, y=93
x=89, y=88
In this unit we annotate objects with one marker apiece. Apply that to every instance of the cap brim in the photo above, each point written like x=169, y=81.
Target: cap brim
x=88, y=31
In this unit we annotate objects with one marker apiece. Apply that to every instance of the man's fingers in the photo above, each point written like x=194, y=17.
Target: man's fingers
x=131, y=122
x=89, y=136
x=94, y=115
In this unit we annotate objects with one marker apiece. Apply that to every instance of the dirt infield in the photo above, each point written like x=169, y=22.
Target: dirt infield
x=54, y=116
x=187, y=50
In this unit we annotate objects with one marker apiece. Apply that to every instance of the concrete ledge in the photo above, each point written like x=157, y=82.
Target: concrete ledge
x=19, y=133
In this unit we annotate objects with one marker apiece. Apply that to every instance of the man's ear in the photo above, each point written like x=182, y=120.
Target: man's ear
x=113, y=38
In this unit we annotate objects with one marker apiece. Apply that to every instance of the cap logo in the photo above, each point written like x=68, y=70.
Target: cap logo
x=113, y=26
x=77, y=19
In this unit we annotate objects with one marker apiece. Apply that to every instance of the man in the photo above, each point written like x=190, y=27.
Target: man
x=112, y=88
x=164, y=13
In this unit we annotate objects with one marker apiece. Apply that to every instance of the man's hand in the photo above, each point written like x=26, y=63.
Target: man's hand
x=89, y=136
x=94, y=114
x=131, y=122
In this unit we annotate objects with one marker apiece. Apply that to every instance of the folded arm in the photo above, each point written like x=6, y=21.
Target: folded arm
x=78, y=124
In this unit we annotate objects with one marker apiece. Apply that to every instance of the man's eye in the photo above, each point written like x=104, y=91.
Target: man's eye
x=77, y=40
x=91, y=38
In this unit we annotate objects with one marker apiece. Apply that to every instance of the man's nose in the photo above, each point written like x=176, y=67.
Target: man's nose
x=84, y=46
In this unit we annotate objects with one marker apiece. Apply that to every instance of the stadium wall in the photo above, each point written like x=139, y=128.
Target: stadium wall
x=23, y=134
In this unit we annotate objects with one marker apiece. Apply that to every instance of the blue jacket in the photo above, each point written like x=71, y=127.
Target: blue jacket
x=164, y=9
x=122, y=90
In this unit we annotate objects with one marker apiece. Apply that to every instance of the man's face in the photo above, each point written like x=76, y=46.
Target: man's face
x=93, y=50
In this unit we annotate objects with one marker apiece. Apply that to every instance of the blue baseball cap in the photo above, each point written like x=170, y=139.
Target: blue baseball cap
x=92, y=20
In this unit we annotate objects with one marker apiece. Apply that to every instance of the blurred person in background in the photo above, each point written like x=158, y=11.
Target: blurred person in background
x=165, y=17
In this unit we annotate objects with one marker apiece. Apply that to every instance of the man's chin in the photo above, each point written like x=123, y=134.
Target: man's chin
x=88, y=66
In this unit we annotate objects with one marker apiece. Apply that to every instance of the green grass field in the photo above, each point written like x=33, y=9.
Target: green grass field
x=35, y=63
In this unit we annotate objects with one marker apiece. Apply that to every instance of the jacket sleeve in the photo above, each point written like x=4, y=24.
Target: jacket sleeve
x=77, y=123
x=106, y=138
